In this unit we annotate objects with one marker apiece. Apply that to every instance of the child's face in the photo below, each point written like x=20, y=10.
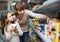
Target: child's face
x=10, y=17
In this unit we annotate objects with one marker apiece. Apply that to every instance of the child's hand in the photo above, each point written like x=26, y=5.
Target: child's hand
x=16, y=31
x=12, y=29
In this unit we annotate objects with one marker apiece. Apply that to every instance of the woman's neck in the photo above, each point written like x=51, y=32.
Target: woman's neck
x=20, y=16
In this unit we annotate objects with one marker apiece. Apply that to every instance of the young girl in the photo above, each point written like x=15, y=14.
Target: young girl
x=12, y=29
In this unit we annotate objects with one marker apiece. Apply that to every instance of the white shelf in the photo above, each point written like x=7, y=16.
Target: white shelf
x=49, y=6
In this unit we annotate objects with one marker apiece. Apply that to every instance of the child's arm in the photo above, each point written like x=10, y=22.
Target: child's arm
x=7, y=34
x=19, y=31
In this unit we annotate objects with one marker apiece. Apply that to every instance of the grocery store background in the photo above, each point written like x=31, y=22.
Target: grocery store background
x=46, y=32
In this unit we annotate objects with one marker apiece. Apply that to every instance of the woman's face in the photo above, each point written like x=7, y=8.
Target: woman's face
x=20, y=12
x=11, y=17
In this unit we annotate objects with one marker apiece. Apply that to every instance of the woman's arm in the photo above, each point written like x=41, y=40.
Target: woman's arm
x=36, y=15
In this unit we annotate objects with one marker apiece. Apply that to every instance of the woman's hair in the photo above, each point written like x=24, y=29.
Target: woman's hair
x=19, y=6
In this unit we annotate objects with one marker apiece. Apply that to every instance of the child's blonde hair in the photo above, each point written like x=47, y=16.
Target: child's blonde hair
x=4, y=23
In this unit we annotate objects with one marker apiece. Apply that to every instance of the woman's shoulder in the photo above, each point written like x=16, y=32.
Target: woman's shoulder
x=28, y=12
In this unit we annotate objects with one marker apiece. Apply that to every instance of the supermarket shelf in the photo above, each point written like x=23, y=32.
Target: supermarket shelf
x=36, y=1
x=43, y=37
x=49, y=6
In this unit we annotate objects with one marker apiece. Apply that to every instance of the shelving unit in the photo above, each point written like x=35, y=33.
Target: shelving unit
x=41, y=36
x=52, y=6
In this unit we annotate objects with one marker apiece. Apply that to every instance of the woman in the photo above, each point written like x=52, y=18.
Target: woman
x=23, y=16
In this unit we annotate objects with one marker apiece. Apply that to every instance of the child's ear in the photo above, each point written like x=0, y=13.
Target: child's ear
x=6, y=20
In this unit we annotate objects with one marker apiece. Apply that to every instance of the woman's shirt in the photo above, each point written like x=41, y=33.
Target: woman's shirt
x=23, y=22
